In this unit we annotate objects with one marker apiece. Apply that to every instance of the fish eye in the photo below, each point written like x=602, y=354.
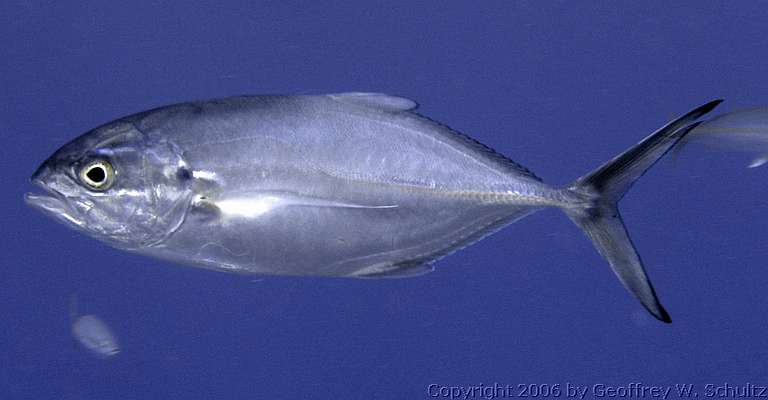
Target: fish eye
x=97, y=175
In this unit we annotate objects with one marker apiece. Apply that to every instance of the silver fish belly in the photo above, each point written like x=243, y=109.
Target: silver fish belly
x=349, y=184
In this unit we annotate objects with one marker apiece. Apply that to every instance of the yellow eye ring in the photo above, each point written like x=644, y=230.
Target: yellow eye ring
x=97, y=175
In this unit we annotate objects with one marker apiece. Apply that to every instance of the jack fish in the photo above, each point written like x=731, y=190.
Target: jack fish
x=338, y=185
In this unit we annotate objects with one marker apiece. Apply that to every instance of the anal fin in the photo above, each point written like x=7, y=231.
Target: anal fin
x=404, y=269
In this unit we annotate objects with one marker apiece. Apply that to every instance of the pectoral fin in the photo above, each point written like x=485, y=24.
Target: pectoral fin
x=290, y=199
x=255, y=204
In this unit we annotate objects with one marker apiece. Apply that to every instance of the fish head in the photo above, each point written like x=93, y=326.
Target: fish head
x=115, y=184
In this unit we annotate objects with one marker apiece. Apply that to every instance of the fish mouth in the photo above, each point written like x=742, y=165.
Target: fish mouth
x=53, y=204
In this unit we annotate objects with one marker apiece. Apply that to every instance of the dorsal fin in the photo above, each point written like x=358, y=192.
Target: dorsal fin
x=400, y=104
x=497, y=158
x=379, y=101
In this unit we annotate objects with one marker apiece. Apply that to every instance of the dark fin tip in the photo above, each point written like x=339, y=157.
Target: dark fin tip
x=702, y=110
x=663, y=315
x=708, y=107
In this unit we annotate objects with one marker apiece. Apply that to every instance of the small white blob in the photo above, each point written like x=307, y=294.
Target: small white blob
x=92, y=333
x=210, y=175
x=248, y=207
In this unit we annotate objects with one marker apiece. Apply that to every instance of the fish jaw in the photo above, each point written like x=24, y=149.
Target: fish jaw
x=53, y=204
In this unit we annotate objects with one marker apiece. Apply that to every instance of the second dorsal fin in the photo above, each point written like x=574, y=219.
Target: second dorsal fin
x=379, y=101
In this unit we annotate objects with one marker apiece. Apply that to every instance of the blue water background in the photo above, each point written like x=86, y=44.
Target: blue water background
x=558, y=86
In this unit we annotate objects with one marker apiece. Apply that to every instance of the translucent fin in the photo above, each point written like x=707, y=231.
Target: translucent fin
x=404, y=269
x=380, y=101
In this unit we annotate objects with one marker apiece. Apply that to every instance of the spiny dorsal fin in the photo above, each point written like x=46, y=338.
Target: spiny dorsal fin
x=379, y=101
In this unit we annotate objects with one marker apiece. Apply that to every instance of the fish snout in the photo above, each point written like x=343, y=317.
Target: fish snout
x=54, y=181
x=40, y=175
x=52, y=201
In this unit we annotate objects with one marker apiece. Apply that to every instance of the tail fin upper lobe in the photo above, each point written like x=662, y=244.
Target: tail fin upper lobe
x=606, y=185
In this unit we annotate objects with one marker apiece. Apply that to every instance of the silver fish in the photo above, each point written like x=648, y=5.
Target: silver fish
x=343, y=185
x=92, y=333
x=744, y=131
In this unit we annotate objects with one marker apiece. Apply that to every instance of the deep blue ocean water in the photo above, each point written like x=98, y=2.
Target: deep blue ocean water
x=558, y=86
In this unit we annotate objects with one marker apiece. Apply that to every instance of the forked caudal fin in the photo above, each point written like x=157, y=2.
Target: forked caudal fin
x=606, y=185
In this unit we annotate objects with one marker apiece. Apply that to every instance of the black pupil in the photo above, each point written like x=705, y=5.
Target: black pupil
x=96, y=174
